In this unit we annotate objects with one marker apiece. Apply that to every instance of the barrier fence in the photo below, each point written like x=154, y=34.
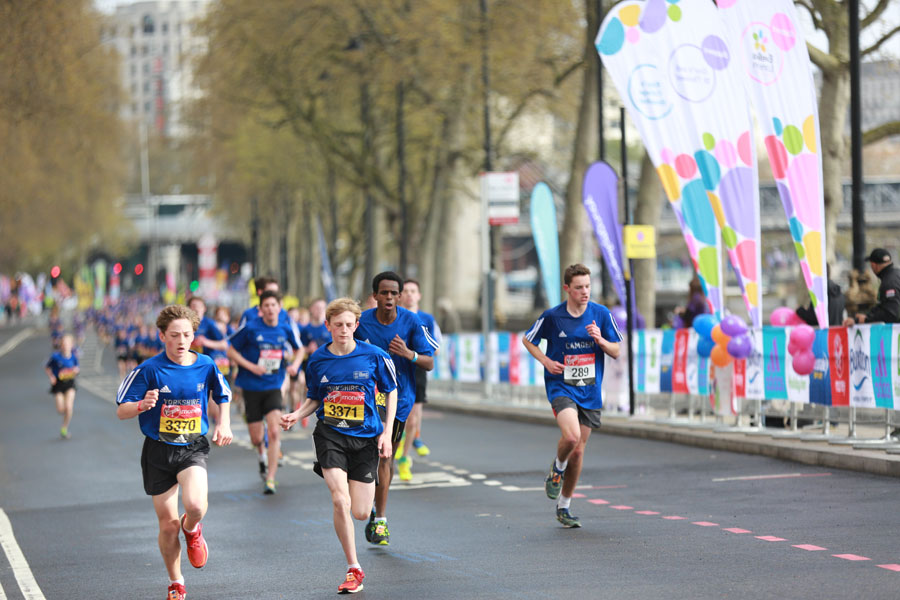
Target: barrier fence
x=855, y=368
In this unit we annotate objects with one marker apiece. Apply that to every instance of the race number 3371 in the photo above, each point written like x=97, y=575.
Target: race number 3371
x=344, y=408
x=580, y=369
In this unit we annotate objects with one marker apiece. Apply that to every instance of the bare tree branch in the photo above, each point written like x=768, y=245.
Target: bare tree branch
x=875, y=14
x=822, y=59
x=874, y=47
x=814, y=15
x=884, y=130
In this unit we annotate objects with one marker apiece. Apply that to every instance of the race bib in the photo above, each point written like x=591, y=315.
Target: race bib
x=224, y=365
x=580, y=369
x=270, y=360
x=380, y=398
x=66, y=374
x=345, y=408
x=179, y=424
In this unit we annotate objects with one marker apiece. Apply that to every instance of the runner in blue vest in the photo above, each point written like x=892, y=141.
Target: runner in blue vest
x=169, y=393
x=579, y=335
x=400, y=333
x=343, y=377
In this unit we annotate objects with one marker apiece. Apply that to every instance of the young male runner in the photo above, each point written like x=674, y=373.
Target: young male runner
x=258, y=348
x=579, y=334
x=62, y=368
x=400, y=333
x=410, y=298
x=349, y=435
x=169, y=394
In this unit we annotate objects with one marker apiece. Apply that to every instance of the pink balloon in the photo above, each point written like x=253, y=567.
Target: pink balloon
x=782, y=316
x=792, y=348
x=804, y=362
x=803, y=337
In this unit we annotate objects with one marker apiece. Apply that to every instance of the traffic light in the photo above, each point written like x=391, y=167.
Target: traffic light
x=117, y=268
x=195, y=285
x=138, y=269
x=54, y=272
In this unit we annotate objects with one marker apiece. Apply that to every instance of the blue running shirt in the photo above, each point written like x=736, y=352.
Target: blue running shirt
x=410, y=329
x=345, y=387
x=63, y=368
x=315, y=333
x=568, y=342
x=208, y=329
x=179, y=416
x=264, y=345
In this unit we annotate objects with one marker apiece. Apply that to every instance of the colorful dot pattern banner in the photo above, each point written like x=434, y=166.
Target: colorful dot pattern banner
x=775, y=66
x=680, y=81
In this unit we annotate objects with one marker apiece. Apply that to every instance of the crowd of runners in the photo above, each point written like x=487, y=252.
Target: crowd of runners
x=360, y=371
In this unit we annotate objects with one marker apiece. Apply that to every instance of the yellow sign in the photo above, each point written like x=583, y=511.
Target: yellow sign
x=640, y=241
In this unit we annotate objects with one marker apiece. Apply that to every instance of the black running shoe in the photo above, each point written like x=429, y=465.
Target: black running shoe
x=370, y=526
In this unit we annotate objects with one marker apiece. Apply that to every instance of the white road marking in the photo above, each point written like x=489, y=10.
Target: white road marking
x=477, y=476
x=20, y=568
x=780, y=476
x=15, y=340
x=492, y=482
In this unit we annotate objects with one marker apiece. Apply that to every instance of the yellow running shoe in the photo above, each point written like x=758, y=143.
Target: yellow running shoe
x=404, y=468
x=399, y=453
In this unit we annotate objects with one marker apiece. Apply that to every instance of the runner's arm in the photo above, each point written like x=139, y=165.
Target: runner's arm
x=552, y=366
x=308, y=407
x=243, y=363
x=384, y=441
x=50, y=375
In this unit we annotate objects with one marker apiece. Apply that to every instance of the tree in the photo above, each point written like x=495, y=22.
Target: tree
x=59, y=135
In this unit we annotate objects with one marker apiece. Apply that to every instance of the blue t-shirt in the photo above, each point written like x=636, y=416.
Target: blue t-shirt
x=345, y=387
x=179, y=416
x=431, y=325
x=63, y=368
x=410, y=329
x=568, y=342
x=315, y=333
x=253, y=313
x=208, y=329
x=264, y=345
x=220, y=357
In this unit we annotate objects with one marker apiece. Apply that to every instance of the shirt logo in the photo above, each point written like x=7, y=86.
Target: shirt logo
x=360, y=374
x=199, y=387
x=562, y=334
x=323, y=380
x=165, y=390
x=259, y=338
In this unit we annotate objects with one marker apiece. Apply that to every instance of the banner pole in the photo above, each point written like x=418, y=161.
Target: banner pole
x=628, y=294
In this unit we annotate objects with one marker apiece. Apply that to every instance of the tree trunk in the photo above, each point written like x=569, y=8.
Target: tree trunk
x=571, y=249
x=647, y=211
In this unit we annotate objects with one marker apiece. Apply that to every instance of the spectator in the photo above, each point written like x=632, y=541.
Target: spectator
x=835, y=305
x=887, y=308
x=696, y=303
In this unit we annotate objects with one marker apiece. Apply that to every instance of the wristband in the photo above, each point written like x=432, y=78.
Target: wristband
x=139, y=406
x=415, y=356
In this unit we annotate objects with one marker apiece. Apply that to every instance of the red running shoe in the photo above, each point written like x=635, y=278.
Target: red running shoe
x=353, y=583
x=176, y=592
x=197, y=550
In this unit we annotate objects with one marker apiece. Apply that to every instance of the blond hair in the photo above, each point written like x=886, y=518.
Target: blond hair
x=176, y=311
x=341, y=305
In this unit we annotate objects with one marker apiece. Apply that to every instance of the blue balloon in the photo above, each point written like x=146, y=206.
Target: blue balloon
x=703, y=325
x=705, y=347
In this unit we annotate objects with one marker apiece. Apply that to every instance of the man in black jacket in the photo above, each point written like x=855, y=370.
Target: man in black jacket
x=887, y=310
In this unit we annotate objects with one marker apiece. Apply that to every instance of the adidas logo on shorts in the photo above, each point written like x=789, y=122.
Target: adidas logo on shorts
x=165, y=390
x=343, y=424
x=323, y=380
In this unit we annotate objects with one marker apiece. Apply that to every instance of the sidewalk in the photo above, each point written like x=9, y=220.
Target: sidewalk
x=654, y=425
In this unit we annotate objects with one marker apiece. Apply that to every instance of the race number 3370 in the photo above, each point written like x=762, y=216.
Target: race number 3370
x=179, y=424
x=580, y=369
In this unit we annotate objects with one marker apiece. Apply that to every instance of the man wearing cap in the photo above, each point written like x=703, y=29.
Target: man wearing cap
x=887, y=310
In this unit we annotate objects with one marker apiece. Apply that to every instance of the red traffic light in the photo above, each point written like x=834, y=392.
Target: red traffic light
x=117, y=268
x=54, y=272
x=138, y=269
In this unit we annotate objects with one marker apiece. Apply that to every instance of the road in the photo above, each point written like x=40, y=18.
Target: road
x=659, y=520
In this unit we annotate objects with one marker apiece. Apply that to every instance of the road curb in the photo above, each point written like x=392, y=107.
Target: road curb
x=810, y=453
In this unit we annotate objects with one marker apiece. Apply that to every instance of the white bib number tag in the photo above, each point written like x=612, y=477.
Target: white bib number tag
x=270, y=360
x=580, y=369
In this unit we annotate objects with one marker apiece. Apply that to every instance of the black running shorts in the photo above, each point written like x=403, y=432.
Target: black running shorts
x=588, y=417
x=161, y=462
x=399, y=426
x=421, y=384
x=258, y=404
x=61, y=387
x=356, y=456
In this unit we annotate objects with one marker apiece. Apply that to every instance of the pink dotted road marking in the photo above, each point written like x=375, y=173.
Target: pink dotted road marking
x=809, y=547
x=674, y=518
x=598, y=501
x=890, y=567
x=770, y=538
x=850, y=557
x=579, y=496
x=622, y=507
x=736, y=530
x=705, y=524
x=646, y=512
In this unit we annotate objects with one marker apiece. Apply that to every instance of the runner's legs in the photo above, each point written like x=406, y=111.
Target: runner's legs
x=166, y=507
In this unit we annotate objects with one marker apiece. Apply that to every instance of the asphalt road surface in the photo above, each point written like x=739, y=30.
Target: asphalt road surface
x=658, y=520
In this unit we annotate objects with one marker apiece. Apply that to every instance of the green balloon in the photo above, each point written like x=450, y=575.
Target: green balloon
x=729, y=237
x=801, y=253
x=709, y=142
x=793, y=139
x=707, y=263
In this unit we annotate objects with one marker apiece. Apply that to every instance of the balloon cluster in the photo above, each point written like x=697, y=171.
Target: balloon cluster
x=722, y=341
x=800, y=349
